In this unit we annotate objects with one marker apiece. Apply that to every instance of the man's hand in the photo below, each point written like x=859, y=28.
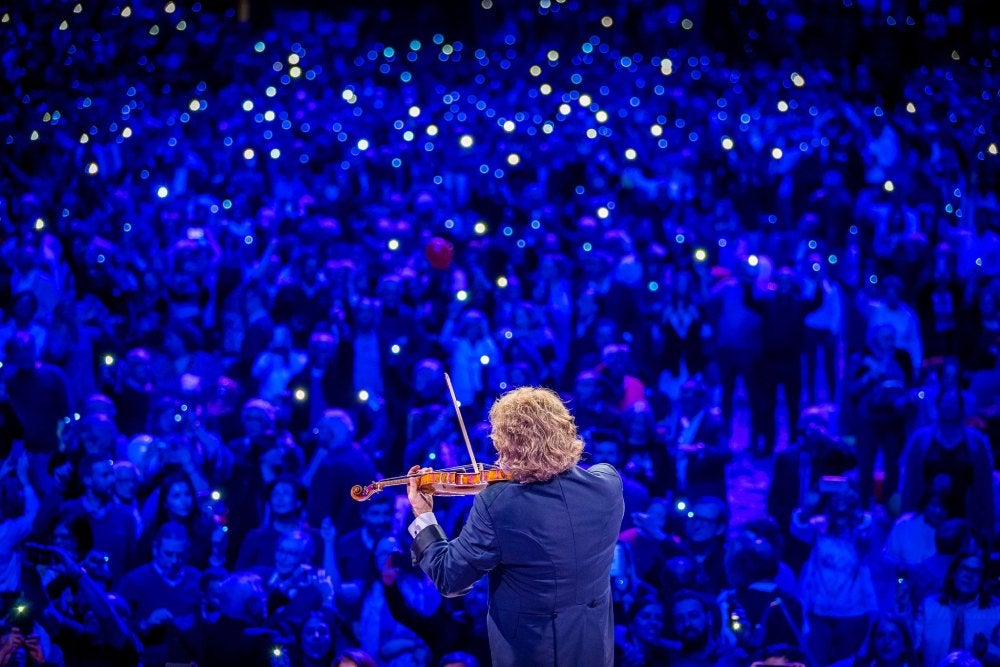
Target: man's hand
x=158, y=617
x=421, y=502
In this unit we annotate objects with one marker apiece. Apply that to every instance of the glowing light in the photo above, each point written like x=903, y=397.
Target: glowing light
x=545, y=89
x=607, y=21
x=462, y=295
x=752, y=260
x=300, y=395
x=502, y=281
x=727, y=143
x=295, y=72
x=681, y=505
x=248, y=105
x=601, y=116
x=630, y=153
x=479, y=227
x=585, y=100
x=363, y=395
x=92, y=168
x=666, y=67
x=248, y=154
x=591, y=133
x=992, y=150
x=269, y=115
x=797, y=80
x=194, y=105
x=84, y=138
x=216, y=495
x=465, y=141
x=484, y=360
x=776, y=153
x=275, y=153
x=162, y=192
x=34, y=135
x=687, y=24
x=293, y=59
x=362, y=144
x=39, y=224
x=955, y=56
x=700, y=255
x=270, y=91
x=552, y=55
x=170, y=8
x=888, y=186
x=910, y=107
x=564, y=109
x=127, y=132
x=535, y=70
x=394, y=348
x=603, y=212
x=548, y=128
x=655, y=130
x=508, y=126
x=108, y=360
x=513, y=159
x=414, y=111
x=393, y=244
x=126, y=12
x=432, y=130
x=782, y=106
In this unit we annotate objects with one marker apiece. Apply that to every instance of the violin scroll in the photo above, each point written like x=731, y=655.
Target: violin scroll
x=362, y=493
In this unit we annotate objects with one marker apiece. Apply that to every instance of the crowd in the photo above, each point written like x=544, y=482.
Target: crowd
x=238, y=259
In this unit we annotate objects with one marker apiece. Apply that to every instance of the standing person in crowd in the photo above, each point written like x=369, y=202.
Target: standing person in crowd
x=338, y=463
x=962, y=456
x=889, y=644
x=694, y=621
x=641, y=642
x=835, y=584
x=563, y=594
x=114, y=527
x=287, y=498
x=697, y=443
x=963, y=617
x=823, y=330
x=164, y=596
x=892, y=311
x=705, y=527
x=879, y=389
x=177, y=501
x=815, y=453
x=783, y=310
x=39, y=395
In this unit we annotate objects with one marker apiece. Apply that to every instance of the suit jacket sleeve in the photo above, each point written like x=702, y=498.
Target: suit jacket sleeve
x=456, y=565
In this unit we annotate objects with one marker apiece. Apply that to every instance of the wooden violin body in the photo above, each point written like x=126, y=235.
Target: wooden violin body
x=451, y=482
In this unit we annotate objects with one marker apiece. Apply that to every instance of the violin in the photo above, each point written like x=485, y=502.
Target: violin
x=458, y=481
x=464, y=480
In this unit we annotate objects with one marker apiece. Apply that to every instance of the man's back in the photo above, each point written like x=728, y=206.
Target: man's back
x=548, y=548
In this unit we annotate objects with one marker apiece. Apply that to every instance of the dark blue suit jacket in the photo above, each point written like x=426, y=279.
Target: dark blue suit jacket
x=547, y=548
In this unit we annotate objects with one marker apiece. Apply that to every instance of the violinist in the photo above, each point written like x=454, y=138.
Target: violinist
x=545, y=539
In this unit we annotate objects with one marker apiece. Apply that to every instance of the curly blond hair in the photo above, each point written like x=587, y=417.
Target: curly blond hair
x=534, y=434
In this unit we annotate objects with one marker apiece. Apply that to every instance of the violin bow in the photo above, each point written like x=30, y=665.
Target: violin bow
x=461, y=423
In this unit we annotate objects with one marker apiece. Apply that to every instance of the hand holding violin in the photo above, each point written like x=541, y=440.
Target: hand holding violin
x=420, y=501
